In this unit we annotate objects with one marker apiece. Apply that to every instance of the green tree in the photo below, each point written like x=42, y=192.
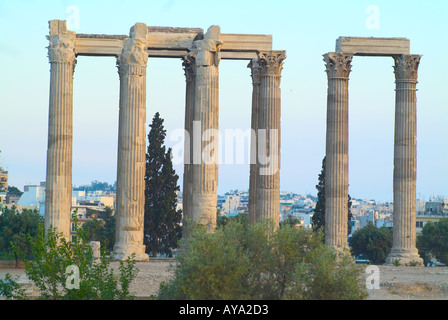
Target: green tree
x=93, y=228
x=318, y=221
x=222, y=220
x=15, y=227
x=14, y=191
x=102, y=229
x=374, y=243
x=108, y=231
x=162, y=220
x=290, y=220
x=433, y=241
x=250, y=261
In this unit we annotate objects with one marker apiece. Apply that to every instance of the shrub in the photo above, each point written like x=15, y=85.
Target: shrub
x=52, y=254
x=396, y=262
x=241, y=261
x=9, y=288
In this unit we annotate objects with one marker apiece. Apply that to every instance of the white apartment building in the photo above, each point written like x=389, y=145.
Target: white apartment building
x=33, y=197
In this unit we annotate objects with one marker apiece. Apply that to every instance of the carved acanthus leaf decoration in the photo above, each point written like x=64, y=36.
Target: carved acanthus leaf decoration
x=338, y=65
x=189, y=65
x=271, y=62
x=406, y=67
x=62, y=47
x=255, y=71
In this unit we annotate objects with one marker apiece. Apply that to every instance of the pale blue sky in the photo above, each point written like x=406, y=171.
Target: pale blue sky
x=305, y=29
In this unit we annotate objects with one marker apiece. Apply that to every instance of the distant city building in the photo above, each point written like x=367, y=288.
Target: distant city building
x=96, y=198
x=3, y=185
x=33, y=197
x=231, y=205
x=435, y=210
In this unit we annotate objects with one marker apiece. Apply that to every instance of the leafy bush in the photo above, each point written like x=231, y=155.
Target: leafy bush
x=396, y=262
x=52, y=254
x=242, y=261
x=9, y=288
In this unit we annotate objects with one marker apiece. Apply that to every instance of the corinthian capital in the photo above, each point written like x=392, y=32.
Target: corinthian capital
x=271, y=62
x=208, y=49
x=406, y=67
x=189, y=65
x=62, y=43
x=134, y=51
x=255, y=71
x=338, y=65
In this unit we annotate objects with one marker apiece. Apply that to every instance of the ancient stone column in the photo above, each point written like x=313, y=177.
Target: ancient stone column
x=255, y=74
x=189, y=64
x=268, y=136
x=338, y=66
x=204, y=171
x=131, y=146
x=405, y=160
x=58, y=191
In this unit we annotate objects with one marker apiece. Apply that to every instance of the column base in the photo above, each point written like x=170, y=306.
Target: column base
x=404, y=257
x=124, y=252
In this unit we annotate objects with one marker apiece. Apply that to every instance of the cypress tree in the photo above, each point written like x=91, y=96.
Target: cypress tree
x=319, y=211
x=162, y=221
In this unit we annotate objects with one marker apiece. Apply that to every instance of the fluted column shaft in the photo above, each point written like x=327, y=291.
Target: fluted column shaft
x=268, y=135
x=338, y=68
x=255, y=74
x=189, y=64
x=204, y=170
x=405, y=160
x=131, y=147
x=58, y=192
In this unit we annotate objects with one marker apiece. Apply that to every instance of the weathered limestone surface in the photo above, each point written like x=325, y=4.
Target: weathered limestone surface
x=204, y=170
x=131, y=146
x=61, y=54
x=189, y=64
x=267, y=200
x=405, y=160
x=255, y=74
x=362, y=46
x=338, y=66
x=201, y=53
x=175, y=43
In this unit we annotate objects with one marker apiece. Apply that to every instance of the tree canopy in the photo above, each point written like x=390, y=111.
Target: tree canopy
x=162, y=220
x=374, y=243
x=102, y=229
x=433, y=241
x=16, y=228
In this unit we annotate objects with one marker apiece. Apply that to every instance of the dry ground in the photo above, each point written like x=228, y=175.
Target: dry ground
x=396, y=283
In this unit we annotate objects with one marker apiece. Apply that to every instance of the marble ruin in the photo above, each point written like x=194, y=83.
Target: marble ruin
x=200, y=54
x=338, y=67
